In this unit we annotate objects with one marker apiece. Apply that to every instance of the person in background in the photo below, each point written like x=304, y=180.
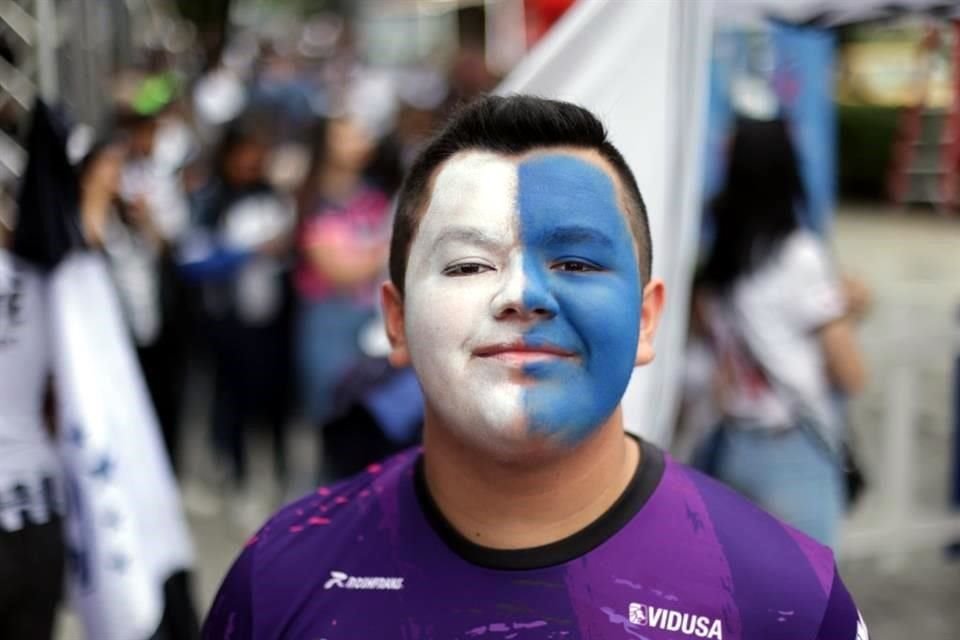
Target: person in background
x=237, y=255
x=151, y=182
x=31, y=502
x=151, y=175
x=140, y=259
x=779, y=321
x=343, y=244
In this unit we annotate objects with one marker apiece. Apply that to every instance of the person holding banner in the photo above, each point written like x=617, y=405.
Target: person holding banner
x=31, y=504
x=139, y=255
x=521, y=291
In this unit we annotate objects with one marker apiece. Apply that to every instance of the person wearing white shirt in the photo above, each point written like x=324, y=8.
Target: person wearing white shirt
x=778, y=319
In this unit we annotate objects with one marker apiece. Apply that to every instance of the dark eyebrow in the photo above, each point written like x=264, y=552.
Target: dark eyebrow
x=466, y=235
x=572, y=234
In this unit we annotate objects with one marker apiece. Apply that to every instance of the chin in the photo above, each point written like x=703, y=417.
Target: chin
x=516, y=444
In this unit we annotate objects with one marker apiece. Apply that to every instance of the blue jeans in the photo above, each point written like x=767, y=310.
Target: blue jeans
x=790, y=474
x=327, y=347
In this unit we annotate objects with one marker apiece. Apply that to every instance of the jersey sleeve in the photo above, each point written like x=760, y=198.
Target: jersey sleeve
x=842, y=620
x=231, y=616
x=815, y=295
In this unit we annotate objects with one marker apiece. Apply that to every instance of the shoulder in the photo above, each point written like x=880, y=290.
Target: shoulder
x=329, y=519
x=804, y=251
x=754, y=540
x=291, y=558
x=772, y=566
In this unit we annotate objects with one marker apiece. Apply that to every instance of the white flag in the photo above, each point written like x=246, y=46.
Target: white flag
x=642, y=67
x=125, y=530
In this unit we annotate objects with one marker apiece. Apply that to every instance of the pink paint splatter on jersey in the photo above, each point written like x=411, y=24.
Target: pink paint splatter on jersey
x=316, y=520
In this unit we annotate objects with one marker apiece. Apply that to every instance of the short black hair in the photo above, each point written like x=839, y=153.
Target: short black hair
x=512, y=125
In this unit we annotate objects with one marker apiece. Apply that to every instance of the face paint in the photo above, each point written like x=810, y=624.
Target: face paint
x=523, y=298
x=579, y=258
x=464, y=258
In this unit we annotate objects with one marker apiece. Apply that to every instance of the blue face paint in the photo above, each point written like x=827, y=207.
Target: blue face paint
x=580, y=269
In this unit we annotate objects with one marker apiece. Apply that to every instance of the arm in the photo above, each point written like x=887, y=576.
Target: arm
x=827, y=305
x=200, y=258
x=231, y=616
x=345, y=266
x=857, y=295
x=332, y=248
x=842, y=355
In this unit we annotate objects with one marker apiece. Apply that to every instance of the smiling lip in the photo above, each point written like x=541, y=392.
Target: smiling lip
x=519, y=353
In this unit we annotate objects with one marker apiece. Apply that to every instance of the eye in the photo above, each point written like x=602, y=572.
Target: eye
x=575, y=266
x=466, y=269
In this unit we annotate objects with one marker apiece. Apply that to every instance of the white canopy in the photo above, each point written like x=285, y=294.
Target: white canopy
x=826, y=12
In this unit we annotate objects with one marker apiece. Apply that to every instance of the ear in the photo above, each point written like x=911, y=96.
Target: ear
x=392, y=301
x=654, y=295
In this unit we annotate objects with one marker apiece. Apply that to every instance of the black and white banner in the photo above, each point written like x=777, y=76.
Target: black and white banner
x=125, y=529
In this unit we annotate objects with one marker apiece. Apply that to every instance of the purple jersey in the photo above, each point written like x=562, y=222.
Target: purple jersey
x=678, y=556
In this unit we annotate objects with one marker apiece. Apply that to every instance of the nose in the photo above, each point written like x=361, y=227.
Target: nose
x=525, y=294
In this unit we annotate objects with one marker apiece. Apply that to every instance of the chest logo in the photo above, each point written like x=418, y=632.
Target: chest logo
x=644, y=615
x=341, y=580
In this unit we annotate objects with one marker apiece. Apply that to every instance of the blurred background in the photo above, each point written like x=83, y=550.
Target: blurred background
x=238, y=158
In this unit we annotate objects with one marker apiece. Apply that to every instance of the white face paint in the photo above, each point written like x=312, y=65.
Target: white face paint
x=470, y=225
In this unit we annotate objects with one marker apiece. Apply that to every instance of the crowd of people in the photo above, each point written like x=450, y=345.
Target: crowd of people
x=246, y=222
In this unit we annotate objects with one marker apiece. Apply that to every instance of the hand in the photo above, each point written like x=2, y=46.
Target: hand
x=858, y=296
x=276, y=247
x=93, y=222
x=139, y=212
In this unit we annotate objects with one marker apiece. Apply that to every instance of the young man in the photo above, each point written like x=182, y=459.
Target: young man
x=521, y=293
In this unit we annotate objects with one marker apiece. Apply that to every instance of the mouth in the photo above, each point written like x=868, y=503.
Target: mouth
x=518, y=353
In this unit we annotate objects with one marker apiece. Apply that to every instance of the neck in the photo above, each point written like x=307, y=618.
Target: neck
x=335, y=183
x=517, y=505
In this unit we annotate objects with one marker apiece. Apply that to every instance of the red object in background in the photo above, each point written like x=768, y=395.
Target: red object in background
x=951, y=159
x=541, y=15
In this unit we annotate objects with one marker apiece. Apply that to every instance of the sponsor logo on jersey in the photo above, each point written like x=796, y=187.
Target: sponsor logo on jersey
x=341, y=580
x=645, y=615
